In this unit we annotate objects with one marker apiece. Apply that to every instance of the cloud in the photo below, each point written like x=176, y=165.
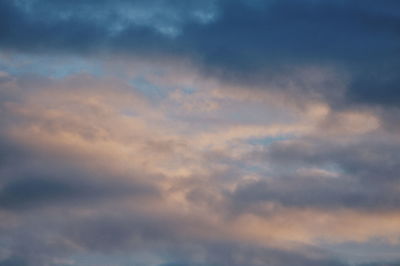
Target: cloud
x=253, y=43
x=358, y=173
x=96, y=170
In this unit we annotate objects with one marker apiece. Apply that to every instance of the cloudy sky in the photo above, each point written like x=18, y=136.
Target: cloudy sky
x=199, y=132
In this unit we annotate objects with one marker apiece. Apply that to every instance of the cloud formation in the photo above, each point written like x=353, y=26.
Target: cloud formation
x=199, y=133
x=256, y=41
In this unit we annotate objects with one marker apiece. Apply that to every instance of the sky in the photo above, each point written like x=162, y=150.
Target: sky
x=199, y=133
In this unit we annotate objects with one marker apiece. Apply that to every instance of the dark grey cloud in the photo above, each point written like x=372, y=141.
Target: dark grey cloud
x=257, y=41
x=14, y=261
x=315, y=192
x=91, y=26
x=365, y=176
x=60, y=234
x=371, y=159
x=109, y=235
x=221, y=254
x=28, y=191
x=56, y=182
x=384, y=263
x=22, y=193
x=359, y=37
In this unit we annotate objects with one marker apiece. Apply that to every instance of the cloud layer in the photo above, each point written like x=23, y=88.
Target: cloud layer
x=252, y=42
x=199, y=133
